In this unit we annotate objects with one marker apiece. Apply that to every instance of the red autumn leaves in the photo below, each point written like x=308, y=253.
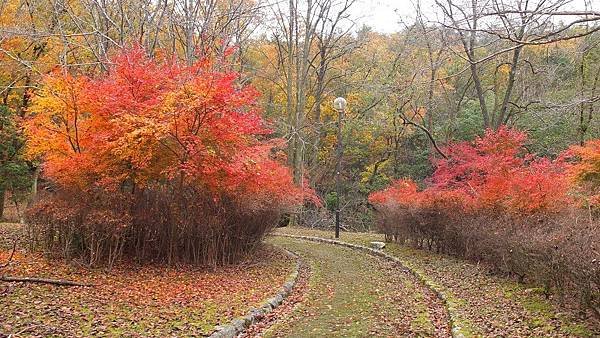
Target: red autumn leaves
x=494, y=173
x=148, y=121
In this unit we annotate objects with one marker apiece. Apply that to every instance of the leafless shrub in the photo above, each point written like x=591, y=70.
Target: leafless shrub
x=559, y=251
x=159, y=225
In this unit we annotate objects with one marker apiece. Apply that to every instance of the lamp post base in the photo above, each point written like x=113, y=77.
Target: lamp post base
x=337, y=224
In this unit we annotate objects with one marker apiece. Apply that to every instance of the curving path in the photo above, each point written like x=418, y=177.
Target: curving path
x=353, y=294
x=481, y=303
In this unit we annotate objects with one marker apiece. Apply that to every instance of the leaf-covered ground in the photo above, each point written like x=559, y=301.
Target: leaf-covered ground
x=341, y=292
x=484, y=304
x=132, y=301
x=352, y=294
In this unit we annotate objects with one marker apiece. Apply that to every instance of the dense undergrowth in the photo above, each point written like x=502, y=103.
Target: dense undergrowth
x=491, y=201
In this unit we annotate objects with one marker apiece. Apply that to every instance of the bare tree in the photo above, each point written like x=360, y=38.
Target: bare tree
x=490, y=29
x=309, y=37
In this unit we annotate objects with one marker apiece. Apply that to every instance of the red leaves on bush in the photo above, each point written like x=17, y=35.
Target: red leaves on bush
x=402, y=192
x=148, y=121
x=490, y=201
x=585, y=169
x=540, y=186
x=157, y=160
x=490, y=173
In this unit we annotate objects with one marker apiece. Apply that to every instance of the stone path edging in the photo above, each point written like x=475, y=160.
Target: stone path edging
x=238, y=325
x=455, y=330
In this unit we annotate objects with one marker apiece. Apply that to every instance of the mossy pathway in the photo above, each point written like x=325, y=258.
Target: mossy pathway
x=482, y=304
x=352, y=294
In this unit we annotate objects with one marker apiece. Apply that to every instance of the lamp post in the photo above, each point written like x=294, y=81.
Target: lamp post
x=340, y=105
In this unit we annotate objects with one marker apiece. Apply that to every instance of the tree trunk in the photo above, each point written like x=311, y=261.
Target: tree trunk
x=289, y=85
x=2, y=194
x=469, y=47
x=34, y=186
x=500, y=120
x=314, y=160
x=292, y=144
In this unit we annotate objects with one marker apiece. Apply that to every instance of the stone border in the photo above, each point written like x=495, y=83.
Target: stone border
x=455, y=330
x=240, y=324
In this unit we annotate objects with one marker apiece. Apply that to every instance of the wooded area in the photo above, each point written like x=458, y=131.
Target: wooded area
x=184, y=131
x=471, y=66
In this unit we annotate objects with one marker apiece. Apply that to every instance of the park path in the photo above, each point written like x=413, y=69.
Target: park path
x=352, y=294
x=482, y=304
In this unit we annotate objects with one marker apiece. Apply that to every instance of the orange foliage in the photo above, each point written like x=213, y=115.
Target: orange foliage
x=157, y=160
x=489, y=173
x=147, y=121
x=585, y=171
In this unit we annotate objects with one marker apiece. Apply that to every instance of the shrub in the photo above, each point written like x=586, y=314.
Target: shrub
x=156, y=160
x=585, y=171
x=491, y=201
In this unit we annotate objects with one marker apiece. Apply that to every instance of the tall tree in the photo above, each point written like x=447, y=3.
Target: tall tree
x=14, y=171
x=489, y=31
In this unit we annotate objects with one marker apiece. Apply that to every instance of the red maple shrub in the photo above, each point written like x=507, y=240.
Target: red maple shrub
x=158, y=161
x=585, y=171
x=492, y=201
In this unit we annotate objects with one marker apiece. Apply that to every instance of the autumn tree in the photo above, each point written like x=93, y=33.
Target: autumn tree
x=161, y=151
x=511, y=27
x=585, y=171
x=529, y=64
x=491, y=201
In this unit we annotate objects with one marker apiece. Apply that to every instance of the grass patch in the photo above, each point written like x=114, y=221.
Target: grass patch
x=352, y=294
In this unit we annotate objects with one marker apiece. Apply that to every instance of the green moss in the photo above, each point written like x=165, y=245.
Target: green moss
x=538, y=306
x=347, y=296
x=422, y=324
x=578, y=330
x=467, y=329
